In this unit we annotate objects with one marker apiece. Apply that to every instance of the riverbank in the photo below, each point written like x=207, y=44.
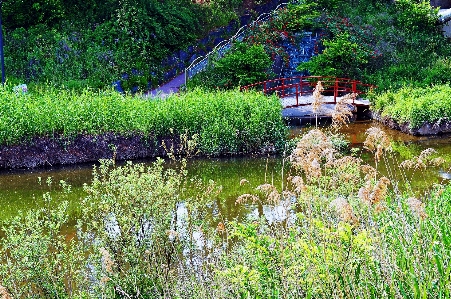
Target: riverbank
x=59, y=150
x=50, y=126
x=415, y=111
x=426, y=129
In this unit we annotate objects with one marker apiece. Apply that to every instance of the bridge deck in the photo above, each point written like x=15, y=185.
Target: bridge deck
x=304, y=110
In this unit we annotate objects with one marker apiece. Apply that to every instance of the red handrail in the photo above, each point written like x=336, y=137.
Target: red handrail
x=302, y=85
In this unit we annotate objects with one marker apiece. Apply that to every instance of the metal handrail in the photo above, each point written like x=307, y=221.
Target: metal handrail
x=303, y=85
x=225, y=45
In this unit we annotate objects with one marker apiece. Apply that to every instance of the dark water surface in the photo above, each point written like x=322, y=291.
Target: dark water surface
x=23, y=189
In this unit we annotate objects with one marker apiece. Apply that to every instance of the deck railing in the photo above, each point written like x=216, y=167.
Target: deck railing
x=304, y=85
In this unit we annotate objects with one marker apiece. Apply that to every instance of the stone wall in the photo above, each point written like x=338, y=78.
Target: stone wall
x=441, y=3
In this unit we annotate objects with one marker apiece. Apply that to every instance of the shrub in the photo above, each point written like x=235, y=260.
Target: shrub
x=340, y=58
x=36, y=259
x=241, y=66
x=415, y=105
x=226, y=122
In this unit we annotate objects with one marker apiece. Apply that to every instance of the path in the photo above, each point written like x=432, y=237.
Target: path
x=166, y=89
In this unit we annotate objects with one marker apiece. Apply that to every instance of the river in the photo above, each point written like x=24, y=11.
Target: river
x=23, y=189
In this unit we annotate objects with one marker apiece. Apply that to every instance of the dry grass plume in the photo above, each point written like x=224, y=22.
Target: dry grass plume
x=4, y=293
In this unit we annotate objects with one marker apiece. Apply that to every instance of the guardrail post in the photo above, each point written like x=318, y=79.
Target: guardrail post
x=354, y=86
x=335, y=90
x=283, y=87
x=297, y=95
x=264, y=87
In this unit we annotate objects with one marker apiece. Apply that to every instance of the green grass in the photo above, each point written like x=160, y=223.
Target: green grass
x=225, y=122
x=416, y=105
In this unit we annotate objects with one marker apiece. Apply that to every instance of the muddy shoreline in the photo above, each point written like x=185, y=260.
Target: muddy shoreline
x=58, y=150
x=426, y=129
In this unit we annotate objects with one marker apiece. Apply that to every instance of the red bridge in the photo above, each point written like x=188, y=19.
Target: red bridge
x=296, y=87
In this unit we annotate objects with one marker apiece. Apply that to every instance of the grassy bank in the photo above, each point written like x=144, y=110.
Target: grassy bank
x=415, y=106
x=224, y=122
x=347, y=233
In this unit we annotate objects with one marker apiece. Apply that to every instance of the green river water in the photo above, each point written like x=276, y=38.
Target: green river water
x=21, y=190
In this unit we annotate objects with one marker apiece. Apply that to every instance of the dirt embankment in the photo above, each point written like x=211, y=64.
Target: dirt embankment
x=427, y=128
x=47, y=151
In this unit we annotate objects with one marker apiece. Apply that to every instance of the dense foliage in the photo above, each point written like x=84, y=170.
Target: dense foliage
x=251, y=60
x=225, y=122
x=416, y=105
x=88, y=43
x=334, y=229
x=241, y=66
x=386, y=43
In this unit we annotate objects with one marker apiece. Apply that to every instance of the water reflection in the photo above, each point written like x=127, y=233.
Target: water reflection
x=21, y=190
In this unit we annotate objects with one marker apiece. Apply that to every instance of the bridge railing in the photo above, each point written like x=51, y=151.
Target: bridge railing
x=304, y=85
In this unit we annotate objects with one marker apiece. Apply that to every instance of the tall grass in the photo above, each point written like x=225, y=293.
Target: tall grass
x=226, y=122
x=339, y=229
x=416, y=106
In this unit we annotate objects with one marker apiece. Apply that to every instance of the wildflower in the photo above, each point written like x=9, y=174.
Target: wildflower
x=298, y=183
x=315, y=169
x=369, y=172
x=107, y=261
x=273, y=197
x=317, y=97
x=380, y=190
x=373, y=195
x=266, y=188
x=376, y=141
x=342, y=112
x=243, y=182
x=221, y=228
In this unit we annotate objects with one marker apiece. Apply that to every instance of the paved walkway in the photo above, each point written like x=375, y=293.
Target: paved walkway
x=171, y=87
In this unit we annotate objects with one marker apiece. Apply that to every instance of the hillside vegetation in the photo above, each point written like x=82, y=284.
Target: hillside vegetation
x=94, y=43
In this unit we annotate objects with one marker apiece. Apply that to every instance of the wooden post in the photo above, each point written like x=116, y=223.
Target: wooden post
x=300, y=83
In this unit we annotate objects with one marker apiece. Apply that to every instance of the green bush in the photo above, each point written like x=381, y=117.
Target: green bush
x=241, y=66
x=226, y=122
x=416, y=105
x=36, y=259
x=340, y=58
